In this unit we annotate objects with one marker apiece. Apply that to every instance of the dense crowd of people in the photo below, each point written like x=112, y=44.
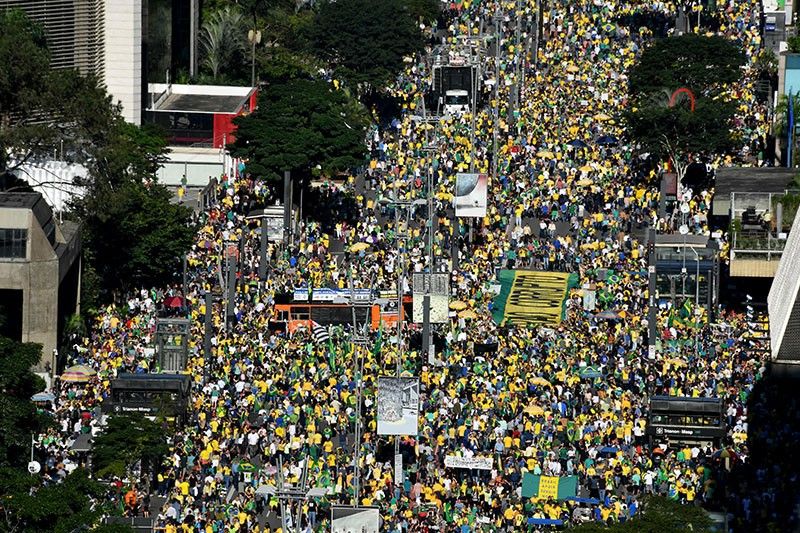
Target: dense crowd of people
x=561, y=202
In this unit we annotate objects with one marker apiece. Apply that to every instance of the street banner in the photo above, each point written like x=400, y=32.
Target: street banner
x=471, y=195
x=549, y=487
x=355, y=519
x=531, y=297
x=473, y=463
x=398, y=406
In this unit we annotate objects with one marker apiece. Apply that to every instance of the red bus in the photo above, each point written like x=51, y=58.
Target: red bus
x=293, y=315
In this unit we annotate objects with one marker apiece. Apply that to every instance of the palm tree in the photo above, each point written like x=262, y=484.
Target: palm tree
x=222, y=36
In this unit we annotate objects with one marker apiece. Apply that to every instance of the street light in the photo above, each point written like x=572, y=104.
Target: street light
x=254, y=36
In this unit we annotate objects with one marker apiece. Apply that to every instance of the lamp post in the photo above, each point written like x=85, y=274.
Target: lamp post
x=254, y=36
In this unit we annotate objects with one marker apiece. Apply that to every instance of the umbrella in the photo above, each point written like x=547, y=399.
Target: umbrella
x=359, y=247
x=545, y=154
x=577, y=143
x=586, y=168
x=607, y=140
x=602, y=117
x=43, y=397
x=540, y=381
x=458, y=305
x=78, y=374
x=584, y=182
x=534, y=410
x=608, y=314
x=573, y=69
x=468, y=314
x=173, y=301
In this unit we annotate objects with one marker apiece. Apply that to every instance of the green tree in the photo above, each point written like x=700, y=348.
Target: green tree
x=42, y=110
x=301, y=124
x=126, y=440
x=707, y=66
x=425, y=10
x=365, y=41
x=657, y=515
x=703, y=64
x=26, y=506
x=18, y=417
x=126, y=216
x=135, y=236
x=223, y=39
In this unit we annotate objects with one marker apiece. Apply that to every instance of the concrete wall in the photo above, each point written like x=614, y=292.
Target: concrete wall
x=38, y=279
x=123, y=56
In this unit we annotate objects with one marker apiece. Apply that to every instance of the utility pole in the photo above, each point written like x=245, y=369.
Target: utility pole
x=254, y=36
x=287, y=209
x=651, y=290
x=185, y=283
x=207, y=334
x=398, y=364
x=287, y=494
x=426, y=309
x=359, y=342
x=262, y=265
x=496, y=103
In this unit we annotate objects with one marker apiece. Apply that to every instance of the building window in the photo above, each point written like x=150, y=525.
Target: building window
x=13, y=243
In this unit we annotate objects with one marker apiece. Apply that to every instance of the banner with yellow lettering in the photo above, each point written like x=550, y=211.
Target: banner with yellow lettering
x=549, y=487
x=532, y=297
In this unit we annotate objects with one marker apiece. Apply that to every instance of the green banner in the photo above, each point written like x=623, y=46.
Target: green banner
x=549, y=487
x=531, y=297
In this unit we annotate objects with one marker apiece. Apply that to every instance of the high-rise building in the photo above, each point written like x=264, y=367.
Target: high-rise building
x=74, y=30
x=111, y=39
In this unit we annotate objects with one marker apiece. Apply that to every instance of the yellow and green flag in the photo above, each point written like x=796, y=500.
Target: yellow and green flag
x=549, y=487
x=532, y=297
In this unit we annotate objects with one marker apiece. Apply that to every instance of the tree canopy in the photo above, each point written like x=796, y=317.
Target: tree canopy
x=707, y=66
x=365, y=41
x=301, y=124
x=135, y=235
x=658, y=515
x=125, y=441
x=42, y=109
x=26, y=506
x=18, y=416
x=703, y=64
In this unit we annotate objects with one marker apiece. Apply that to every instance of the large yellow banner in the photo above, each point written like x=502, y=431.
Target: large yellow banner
x=548, y=487
x=532, y=297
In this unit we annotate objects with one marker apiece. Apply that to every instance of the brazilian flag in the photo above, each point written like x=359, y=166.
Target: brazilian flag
x=552, y=487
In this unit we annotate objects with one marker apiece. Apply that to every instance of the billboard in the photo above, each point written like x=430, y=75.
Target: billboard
x=438, y=288
x=355, y=520
x=471, y=195
x=398, y=406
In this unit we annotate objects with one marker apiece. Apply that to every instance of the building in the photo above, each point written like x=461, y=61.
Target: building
x=40, y=268
x=75, y=30
x=198, y=120
x=121, y=42
x=783, y=303
x=754, y=204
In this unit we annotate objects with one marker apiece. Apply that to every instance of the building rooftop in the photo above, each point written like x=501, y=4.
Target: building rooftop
x=19, y=200
x=198, y=98
x=753, y=179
